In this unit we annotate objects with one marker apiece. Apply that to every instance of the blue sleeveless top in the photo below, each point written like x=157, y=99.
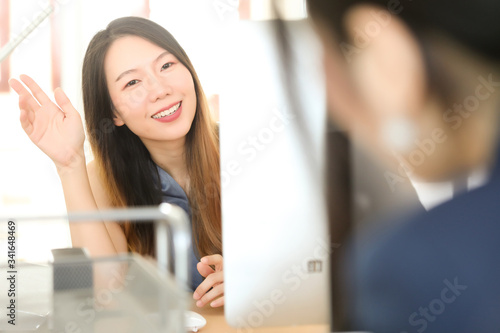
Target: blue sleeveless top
x=174, y=194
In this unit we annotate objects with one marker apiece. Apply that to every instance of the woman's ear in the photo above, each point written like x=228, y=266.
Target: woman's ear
x=117, y=119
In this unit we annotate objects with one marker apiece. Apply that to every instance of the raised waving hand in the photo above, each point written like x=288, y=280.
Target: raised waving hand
x=56, y=129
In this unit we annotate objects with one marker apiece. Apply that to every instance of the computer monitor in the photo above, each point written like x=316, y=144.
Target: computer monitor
x=276, y=242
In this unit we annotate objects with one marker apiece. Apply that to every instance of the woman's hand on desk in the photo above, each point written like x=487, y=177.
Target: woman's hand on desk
x=211, y=290
x=56, y=129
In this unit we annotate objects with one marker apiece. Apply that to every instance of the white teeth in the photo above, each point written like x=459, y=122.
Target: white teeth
x=168, y=112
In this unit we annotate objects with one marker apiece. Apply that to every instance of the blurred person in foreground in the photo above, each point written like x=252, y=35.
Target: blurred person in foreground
x=418, y=83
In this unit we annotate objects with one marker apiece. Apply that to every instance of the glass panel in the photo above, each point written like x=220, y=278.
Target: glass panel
x=121, y=294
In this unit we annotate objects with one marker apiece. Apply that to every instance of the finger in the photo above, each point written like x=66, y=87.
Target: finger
x=211, y=281
x=17, y=86
x=214, y=259
x=35, y=89
x=218, y=302
x=26, y=100
x=211, y=295
x=204, y=270
x=64, y=102
x=29, y=104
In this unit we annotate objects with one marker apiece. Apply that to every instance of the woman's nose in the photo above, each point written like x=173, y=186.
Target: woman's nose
x=157, y=88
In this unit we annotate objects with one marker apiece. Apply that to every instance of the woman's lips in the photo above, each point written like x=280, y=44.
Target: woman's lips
x=169, y=117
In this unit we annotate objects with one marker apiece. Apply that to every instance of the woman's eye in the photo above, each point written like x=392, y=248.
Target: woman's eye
x=131, y=83
x=166, y=66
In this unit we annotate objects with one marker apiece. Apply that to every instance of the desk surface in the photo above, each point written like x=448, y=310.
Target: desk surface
x=35, y=282
x=216, y=323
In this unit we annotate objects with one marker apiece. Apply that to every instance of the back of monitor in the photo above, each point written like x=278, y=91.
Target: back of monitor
x=275, y=234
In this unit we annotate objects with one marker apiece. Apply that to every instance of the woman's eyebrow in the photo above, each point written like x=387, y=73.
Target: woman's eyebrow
x=134, y=70
x=125, y=73
x=161, y=55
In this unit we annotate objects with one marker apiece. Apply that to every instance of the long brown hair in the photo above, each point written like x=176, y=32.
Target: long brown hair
x=125, y=165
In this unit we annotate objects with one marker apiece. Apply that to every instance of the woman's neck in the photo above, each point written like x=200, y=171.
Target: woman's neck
x=170, y=156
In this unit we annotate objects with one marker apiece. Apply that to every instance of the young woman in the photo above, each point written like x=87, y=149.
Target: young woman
x=153, y=139
x=420, y=82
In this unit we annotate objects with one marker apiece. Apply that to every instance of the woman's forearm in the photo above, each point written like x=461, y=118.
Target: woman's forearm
x=92, y=235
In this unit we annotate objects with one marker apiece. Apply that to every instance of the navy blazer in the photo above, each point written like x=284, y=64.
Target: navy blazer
x=435, y=272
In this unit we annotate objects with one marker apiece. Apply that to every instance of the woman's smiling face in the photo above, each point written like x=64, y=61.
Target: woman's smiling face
x=151, y=90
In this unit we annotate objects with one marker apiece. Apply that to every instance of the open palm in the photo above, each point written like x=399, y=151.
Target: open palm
x=56, y=129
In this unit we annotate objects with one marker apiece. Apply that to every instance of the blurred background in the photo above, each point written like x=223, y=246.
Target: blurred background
x=53, y=54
